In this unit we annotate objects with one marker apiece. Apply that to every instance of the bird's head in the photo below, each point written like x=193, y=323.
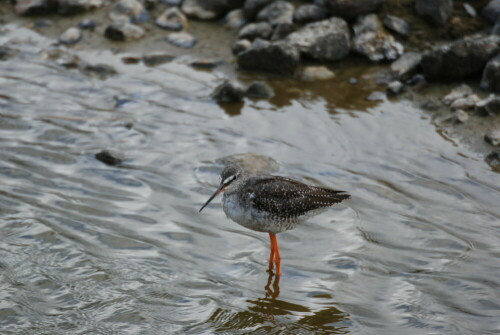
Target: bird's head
x=228, y=181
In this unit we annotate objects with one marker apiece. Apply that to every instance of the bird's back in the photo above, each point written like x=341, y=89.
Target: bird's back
x=274, y=204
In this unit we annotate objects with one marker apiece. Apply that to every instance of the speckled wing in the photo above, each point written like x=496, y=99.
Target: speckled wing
x=286, y=198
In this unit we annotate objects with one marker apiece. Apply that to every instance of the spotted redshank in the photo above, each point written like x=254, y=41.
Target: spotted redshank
x=271, y=204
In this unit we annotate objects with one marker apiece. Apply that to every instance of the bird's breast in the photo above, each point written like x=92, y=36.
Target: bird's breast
x=240, y=210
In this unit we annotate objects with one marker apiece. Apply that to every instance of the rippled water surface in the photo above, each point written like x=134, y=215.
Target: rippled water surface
x=87, y=248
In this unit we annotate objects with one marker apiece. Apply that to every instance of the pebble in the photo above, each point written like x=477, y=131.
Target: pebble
x=172, y=19
x=240, y=46
x=228, y=92
x=397, y=25
x=121, y=31
x=466, y=103
x=235, y=19
x=395, y=87
x=87, y=24
x=182, y=40
x=256, y=30
x=309, y=13
x=493, y=160
x=316, y=73
x=108, y=158
x=156, y=59
x=459, y=92
x=458, y=116
x=128, y=11
x=71, y=36
x=101, y=71
x=206, y=63
x=259, y=90
x=277, y=12
x=493, y=137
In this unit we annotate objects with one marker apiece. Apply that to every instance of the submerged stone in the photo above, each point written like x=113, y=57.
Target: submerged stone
x=182, y=40
x=228, y=92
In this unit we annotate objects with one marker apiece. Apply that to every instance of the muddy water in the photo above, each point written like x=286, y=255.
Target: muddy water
x=87, y=248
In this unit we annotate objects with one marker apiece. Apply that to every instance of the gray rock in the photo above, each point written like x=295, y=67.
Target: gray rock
x=373, y=41
x=397, y=25
x=309, y=13
x=240, y=46
x=209, y=9
x=490, y=79
x=63, y=7
x=277, y=12
x=437, y=11
x=459, y=92
x=492, y=11
x=406, y=66
x=123, y=31
x=493, y=160
x=71, y=36
x=253, y=7
x=326, y=40
x=353, y=81
x=157, y=59
x=101, y=71
x=493, y=137
x=228, y=92
x=470, y=10
x=172, y=19
x=87, y=24
x=109, y=158
x=353, y=8
x=181, y=39
x=235, y=19
x=206, y=63
x=395, y=87
x=278, y=57
x=316, y=73
x=259, y=90
x=460, y=59
x=256, y=30
x=458, y=116
x=282, y=30
x=73, y=7
x=128, y=11
x=465, y=103
x=489, y=106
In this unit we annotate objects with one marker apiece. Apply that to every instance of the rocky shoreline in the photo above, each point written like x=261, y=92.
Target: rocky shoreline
x=420, y=43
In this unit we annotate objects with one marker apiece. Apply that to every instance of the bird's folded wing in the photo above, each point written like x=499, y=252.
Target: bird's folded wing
x=288, y=198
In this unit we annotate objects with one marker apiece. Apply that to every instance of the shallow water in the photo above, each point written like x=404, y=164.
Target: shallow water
x=87, y=248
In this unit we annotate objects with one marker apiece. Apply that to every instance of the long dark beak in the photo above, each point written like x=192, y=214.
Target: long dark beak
x=219, y=190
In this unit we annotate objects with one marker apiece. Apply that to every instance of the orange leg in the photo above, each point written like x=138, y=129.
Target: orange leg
x=275, y=254
x=271, y=255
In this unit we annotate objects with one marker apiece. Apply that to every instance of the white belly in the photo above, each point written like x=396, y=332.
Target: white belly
x=250, y=218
